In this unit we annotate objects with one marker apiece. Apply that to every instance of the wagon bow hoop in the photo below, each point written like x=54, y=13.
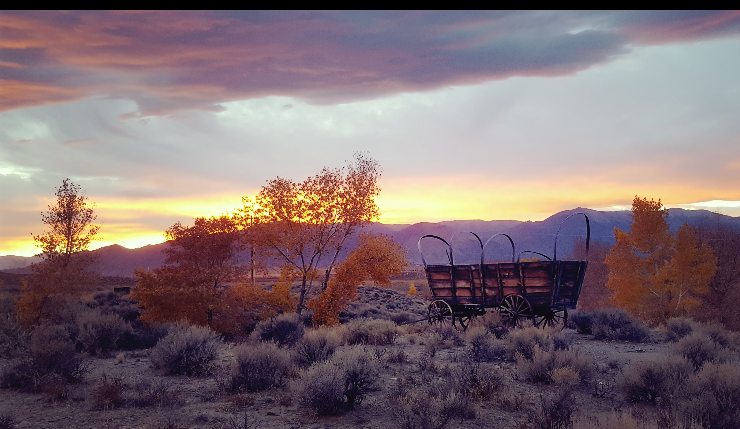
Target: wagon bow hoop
x=449, y=249
x=482, y=254
x=588, y=234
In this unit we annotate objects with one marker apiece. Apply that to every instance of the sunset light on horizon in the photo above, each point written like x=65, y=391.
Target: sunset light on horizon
x=161, y=117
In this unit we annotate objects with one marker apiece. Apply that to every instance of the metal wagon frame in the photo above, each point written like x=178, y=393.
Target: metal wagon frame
x=540, y=291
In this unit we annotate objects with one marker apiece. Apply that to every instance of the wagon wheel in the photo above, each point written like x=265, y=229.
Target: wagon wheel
x=552, y=317
x=465, y=321
x=514, y=309
x=440, y=313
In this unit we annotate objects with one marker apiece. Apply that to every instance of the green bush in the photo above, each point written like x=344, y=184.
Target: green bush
x=188, y=350
x=374, y=332
x=284, y=329
x=316, y=345
x=100, y=333
x=656, y=381
x=259, y=367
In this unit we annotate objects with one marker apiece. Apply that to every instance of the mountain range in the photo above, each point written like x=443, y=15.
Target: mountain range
x=531, y=236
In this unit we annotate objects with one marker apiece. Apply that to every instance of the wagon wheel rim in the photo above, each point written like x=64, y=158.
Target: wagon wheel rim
x=440, y=313
x=514, y=309
x=465, y=321
x=552, y=317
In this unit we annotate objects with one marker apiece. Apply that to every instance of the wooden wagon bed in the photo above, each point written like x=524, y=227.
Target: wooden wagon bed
x=541, y=291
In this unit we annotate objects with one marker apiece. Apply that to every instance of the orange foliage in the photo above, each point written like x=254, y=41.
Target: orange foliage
x=654, y=274
x=29, y=306
x=200, y=258
x=303, y=222
x=376, y=258
x=247, y=303
x=65, y=259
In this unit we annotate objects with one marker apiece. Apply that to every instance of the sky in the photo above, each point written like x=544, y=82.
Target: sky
x=164, y=116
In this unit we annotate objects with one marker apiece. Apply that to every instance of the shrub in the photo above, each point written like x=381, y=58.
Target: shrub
x=582, y=321
x=155, y=393
x=429, y=407
x=679, y=327
x=617, y=324
x=109, y=393
x=722, y=336
x=494, y=324
x=99, y=333
x=553, y=412
x=524, y=341
x=53, y=362
x=544, y=364
x=316, y=345
x=13, y=338
x=284, y=329
x=143, y=336
x=562, y=340
x=475, y=381
x=189, y=350
x=7, y=421
x=375, y=332
x=714, y=397
x=484, y=348
x=259, y=367
x=322, y=389
x=340, y=383
x=654, y=381
x=699, y=349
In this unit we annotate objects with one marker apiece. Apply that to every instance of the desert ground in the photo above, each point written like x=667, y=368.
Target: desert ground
x=417, y=376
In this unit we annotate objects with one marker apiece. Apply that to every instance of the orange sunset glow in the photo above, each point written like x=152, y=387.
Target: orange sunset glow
x=161, y=117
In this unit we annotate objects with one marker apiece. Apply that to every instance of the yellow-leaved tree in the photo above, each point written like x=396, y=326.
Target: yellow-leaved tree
x=654, y=274
x=200, y=259
x=377, y=258
x=66, y=260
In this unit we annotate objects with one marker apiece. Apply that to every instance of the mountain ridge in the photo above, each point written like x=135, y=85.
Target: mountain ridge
x=538, y=236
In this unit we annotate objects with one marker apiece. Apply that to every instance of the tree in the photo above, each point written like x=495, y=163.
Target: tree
x=303, y=222
x=65, y=264
x=189, y=286
x=377, y=257
x=654, y=274
x=724, y=287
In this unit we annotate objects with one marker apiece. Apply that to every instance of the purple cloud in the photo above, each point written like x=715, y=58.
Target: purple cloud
x=169, y=61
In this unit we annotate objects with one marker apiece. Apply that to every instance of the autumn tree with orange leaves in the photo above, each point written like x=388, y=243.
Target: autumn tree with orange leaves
x=306, y=224
x=189, y=286
x=377, y=258
x=655, y=274
x=66, y=261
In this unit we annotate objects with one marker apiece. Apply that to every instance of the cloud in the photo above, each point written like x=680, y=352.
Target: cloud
x=169, y=61
x=74, y=142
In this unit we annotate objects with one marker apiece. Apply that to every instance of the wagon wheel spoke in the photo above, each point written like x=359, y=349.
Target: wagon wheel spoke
x=465, y=321
x=440, y=313
x=514, y=309
x=552, y=317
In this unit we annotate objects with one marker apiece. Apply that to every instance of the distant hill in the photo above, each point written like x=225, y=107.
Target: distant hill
x=538, y=236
